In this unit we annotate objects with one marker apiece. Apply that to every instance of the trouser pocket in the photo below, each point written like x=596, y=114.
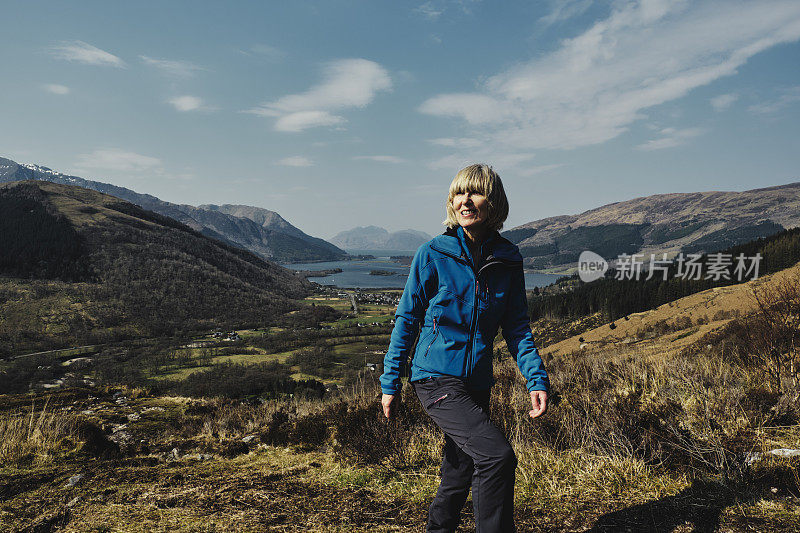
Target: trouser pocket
x=431, y=392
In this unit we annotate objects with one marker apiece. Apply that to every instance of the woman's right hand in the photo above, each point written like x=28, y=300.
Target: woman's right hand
x=388, y=403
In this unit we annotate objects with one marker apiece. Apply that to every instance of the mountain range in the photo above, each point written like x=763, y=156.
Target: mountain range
x=263, y=232
x=377, y=238
x=661, y=223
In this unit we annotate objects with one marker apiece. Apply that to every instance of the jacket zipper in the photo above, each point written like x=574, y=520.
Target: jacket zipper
x=435, y=333
x=473, y=326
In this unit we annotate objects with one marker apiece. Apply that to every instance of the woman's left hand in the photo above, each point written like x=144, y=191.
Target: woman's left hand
x=539, y=401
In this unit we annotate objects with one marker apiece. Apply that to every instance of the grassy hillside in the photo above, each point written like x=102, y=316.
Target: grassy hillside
x=668, y=419
x=107, y=269
x=664, y=422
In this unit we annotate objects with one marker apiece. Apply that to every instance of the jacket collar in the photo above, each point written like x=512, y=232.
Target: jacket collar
x=453, y=242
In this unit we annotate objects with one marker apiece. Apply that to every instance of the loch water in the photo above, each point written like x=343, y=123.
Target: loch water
x=356, y=273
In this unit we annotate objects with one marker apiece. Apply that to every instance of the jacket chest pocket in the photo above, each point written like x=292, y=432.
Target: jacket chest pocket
x=496, y=293
x=435, y=335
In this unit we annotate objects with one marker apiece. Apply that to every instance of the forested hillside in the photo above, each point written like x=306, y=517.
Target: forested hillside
x=81, y=266
x=614, y=298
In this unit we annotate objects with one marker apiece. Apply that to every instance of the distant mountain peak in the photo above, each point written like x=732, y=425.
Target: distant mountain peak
x=378, y=238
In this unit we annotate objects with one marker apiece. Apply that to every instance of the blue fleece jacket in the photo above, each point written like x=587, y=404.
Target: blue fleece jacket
x=457, y=309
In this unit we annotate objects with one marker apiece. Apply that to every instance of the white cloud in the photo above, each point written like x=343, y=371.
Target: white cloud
x=789, y=97
x=118, y=160
x=380, y=158
x=429, y=10
x=296, y=161
x=475, y=108
x=178, y=69
x=723, y=101
x=594, y=86
x=81, y=52
x=670, y=138
x=562, y=10
x=302, y=120
x=187, y=103
x=532, y=171
x=346, y=83
x=55, y=88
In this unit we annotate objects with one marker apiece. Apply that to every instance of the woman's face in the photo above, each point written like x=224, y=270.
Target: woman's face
x=471, y=208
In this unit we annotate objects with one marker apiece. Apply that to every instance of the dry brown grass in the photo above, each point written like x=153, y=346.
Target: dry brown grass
x=35, y=436
x=707, y=312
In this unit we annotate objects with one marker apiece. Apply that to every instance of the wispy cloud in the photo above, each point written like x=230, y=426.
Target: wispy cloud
x=591, y=88
x=296, y=161
x=302, y=120
x=433, y=9
x=188, y=103
x=171, y=67
x=118, y=160
x=430, y=10
x=81, y=52
x=723, y=101
x=670, y=138
x=540, y=169
x=788, y=97
x=346, y=83
x=266, y=51
x=561, y=10
x=380, y=158
x=55, y=88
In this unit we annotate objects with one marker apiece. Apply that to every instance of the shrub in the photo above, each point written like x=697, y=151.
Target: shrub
x=770, y=338
x=362, y=434
x=237, y=380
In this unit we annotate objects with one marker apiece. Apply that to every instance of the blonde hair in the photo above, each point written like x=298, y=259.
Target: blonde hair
x=482, y=179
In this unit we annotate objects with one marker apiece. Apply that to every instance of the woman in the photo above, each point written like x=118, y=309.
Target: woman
x=462, y=286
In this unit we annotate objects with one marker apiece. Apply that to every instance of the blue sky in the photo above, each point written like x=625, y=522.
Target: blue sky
x=344, y=113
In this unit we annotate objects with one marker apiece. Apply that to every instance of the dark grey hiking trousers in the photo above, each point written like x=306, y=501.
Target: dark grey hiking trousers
x=476, y=454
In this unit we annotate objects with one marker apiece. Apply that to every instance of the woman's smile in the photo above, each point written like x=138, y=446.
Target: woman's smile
x=472, y=208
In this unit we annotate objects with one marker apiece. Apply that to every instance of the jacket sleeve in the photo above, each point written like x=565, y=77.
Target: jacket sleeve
x=410, y=312
x=518, y=336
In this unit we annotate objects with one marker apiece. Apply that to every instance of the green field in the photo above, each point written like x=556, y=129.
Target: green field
x=351, y=347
